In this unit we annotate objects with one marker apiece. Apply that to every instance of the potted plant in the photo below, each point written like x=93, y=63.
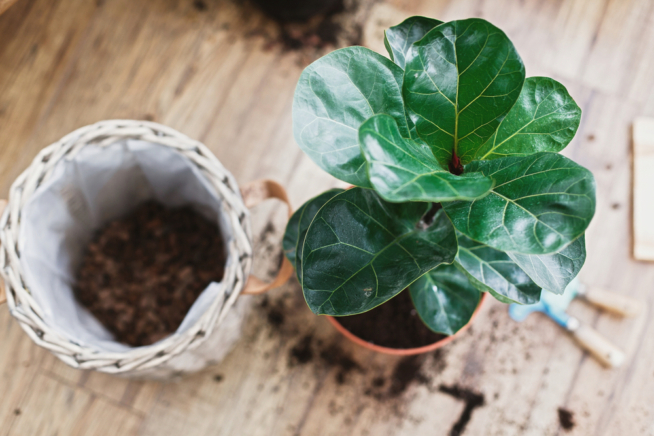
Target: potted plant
x=458, y=187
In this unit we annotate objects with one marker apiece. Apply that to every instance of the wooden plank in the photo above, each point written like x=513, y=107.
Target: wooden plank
x=38, y=42
x=617, y=45
x=19, y=364
x=57, y=408
x=197, y=70
x=138, y=396
x=643, y=133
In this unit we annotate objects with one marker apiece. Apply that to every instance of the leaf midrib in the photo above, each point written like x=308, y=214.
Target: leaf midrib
x=483, y=262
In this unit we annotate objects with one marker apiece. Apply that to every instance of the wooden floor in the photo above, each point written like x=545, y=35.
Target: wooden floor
x=209, y=73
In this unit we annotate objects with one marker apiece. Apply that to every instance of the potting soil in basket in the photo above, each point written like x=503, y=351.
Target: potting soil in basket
x=141, y=273
x=87, y=191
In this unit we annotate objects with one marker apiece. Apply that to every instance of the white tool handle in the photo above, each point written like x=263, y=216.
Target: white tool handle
x=612, y=302
x=597, y=345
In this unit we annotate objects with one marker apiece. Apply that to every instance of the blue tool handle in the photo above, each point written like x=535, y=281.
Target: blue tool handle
x=561, y=318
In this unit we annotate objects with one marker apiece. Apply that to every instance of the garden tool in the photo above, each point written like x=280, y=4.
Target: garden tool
x=555, y=307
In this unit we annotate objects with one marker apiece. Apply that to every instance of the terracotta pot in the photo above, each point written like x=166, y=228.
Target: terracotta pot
x=405, y=351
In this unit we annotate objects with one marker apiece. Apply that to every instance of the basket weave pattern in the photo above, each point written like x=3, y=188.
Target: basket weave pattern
x=138, y=360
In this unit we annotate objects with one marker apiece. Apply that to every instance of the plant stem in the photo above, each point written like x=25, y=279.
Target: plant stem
x=455, y=164
x=428, y=218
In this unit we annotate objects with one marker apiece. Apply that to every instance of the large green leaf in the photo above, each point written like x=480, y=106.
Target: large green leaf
x=461, y=79
x=337, y=93
x=444, y=299
x=398, y=39
x=554, y=272
x=545, y=118
x=360, y=251
x=494, y=271
x=298, y=225
x=539, y=204
x=404, y=170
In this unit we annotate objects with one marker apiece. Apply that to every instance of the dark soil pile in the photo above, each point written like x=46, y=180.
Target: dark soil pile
x=313, y=24
x=566, y=418
x=407, y=371
x=298, y=10
x=332, y=356
x=142, y=273
x=394, y=324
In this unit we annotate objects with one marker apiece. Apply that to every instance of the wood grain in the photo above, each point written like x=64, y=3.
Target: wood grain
x=4, y=5
x=211, y=73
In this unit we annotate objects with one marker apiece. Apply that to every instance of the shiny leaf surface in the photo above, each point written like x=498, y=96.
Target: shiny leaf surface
x=400, y=169
x=360, y=251
x=298, y=225
x=444, y=299
x=398, y=39
x=545, y=118
x=494, y=271
x=337, y=93
x=554, y=272
x=539, y=204
x=460, y=80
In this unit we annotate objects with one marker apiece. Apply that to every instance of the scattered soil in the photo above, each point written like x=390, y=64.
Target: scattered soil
x=394, y=324
x=303, y=25
x=298, y=10
x=141, y=274
x=302, y=352
x=408, y=371
x=566, y=418
x=405, y=373
x=472, y=401
x=200, y=5
x=308, y=345
x=275, y=317
x=274, y=313
x=332, y=356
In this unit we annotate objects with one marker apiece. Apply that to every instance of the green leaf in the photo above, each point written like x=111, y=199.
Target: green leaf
x=298, y=225
x=444, y=299
x=545, y=118
x=554, y=272
x=360, y=251
x=494, y=271
x=337, y=93
x=398, y=39
x=461, y=79
x=539, y=204
x=403, y=170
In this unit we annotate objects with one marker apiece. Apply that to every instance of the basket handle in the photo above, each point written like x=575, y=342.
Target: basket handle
x=254, y=193
x=3, y=293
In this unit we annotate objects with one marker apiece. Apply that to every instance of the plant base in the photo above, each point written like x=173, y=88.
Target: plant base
x=394, y=324
x=384, y=323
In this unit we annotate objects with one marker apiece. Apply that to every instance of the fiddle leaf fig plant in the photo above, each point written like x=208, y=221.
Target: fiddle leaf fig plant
x=458, y=187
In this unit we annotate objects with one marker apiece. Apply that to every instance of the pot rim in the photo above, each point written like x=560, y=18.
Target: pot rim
x=406, y=351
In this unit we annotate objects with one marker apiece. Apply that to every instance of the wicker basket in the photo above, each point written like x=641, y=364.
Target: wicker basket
x=180, y=352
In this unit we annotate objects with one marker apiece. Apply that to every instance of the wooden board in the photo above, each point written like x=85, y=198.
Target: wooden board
x=207, y=69
x=643, y=188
